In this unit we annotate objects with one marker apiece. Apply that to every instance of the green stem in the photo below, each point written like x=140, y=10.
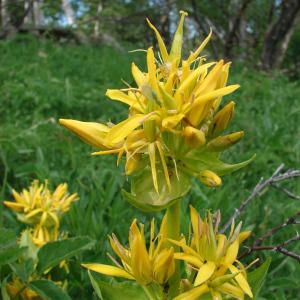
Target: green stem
x=173, y=227
x=148, y=291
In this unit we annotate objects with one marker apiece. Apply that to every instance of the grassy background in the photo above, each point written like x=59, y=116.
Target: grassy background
x=42, y=81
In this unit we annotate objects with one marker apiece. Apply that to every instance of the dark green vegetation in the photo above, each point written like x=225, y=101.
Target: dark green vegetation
x=42, y=81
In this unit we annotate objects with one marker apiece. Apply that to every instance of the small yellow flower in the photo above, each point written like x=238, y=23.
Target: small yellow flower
x=17, y=290
x=40, y=207
x=154, y=264
x=213, y=258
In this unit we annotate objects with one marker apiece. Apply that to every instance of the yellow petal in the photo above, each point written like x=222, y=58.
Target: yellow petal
x=161, y=44
x=176, y=47
x=17, y=196
x=190, y=259
x=194, y=293
x=164, y=165
x=152, y=71
x=172, y=121
x=193, y=137
x=108, y=270
x=138, y=75
x=230, y=289
x=243, y=236
x=17, y=207
x=151, y=151
x=196, y=53
x=123, y=97
x=118, y=132
x=90, y=132
x=241, y=280
x=205, y=272
x=232, y=253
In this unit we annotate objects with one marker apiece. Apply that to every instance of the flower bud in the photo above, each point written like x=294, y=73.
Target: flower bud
x=193, y=137
x=164, y=266
x=210, y=178
x=132, y=163
x=223, y=142
x=92, y=133
x=222, y=119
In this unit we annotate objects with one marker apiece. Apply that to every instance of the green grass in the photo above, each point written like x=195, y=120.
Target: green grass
x=42, y=81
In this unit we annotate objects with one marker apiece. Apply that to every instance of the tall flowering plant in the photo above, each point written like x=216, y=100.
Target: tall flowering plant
x=173, y=133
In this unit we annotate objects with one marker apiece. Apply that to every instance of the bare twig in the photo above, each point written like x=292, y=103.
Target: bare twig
x=257, y=243
x=276, y=177
x=286, y=191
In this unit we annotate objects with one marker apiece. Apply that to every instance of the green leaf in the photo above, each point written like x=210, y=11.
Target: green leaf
x=9, y=250
x=48, y=290
x=127, y=290
x=4, y=292
x=144, y=197
x=257, y=277
x=202, y=160
x=23, y=269
x=53, y=253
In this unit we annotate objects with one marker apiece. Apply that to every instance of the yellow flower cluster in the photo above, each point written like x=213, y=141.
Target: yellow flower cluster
x=42, y=209
x=174, y=117
x=210, y=257
x=146, y=265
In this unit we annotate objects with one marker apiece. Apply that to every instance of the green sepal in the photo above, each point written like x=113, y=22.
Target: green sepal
x=198, y=161
x=144, y=197
x=127, y=290
x=257, y=277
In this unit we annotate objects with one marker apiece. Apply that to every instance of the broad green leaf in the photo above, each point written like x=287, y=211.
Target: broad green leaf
x=144, y=196
x=257, y=277
x=9, y=250
x=127, y=290
x=53, y=253
x=48, y=290
x=23, y=269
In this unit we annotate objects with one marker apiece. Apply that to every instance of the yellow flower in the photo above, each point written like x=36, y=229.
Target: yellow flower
x=17, y=290
x=154, y=264
x=40, y=207
x=174, y=121
x=213, y=258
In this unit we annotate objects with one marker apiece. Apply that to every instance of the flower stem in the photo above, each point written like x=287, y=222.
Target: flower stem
x=173, y=227
x=149, y=293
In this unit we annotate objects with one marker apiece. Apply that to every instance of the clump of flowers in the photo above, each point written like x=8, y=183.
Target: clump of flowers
x=174, y=126
x=211, y=260
x=41, y=208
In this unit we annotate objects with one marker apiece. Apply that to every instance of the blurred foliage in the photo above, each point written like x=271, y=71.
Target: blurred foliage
x=42, y=81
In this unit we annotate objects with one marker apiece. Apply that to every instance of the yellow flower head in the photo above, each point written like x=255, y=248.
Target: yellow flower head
x=40, y=207
x=17, y=290
x=152, y=264
x=212, y=258
x=174, y=117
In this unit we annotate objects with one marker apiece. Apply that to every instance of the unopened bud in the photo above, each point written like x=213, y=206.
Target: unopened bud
x=132, y=163
x=243, y=236
x=224, y=142
x=193, y=137
x=210, y=178
x=222, y=119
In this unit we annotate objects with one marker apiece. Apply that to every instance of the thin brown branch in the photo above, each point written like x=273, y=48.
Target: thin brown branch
x=276, y=177
x=286, y=191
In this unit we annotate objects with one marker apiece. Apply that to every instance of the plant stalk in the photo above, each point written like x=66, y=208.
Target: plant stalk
x=173, y=227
